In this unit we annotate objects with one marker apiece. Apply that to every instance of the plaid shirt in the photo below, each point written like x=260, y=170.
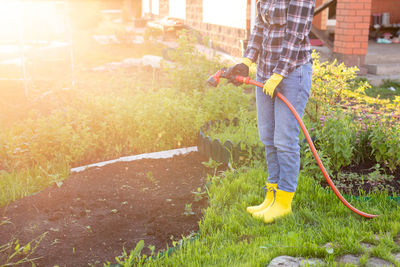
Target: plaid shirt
x=280, y=36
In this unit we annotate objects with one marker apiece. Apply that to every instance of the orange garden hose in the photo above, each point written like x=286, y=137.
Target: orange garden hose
x=247, y=80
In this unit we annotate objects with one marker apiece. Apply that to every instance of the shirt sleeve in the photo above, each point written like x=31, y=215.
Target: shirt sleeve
x=298, y=26
x=255, y=41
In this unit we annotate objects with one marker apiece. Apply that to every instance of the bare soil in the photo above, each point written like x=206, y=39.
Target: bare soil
x=97, y=212
x=352, y=186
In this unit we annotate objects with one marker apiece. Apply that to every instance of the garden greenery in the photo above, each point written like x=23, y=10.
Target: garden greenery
x=97, y=126
x=348, y=127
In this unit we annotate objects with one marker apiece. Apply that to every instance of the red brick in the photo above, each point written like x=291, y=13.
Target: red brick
x=363, y=12
x=344, y=38
x=362, y=25
x=359, y=51
x=336, y=49
x=348, y=51
x=365, y=31
x=352, y=32
x=340, y=5
x=352, y=45
x=346, y=25
x=367, y=19
x=360, y=38
x=340, y=18
x=346, y=12
x=355, y=6
x=339, y=43
x=354, y=19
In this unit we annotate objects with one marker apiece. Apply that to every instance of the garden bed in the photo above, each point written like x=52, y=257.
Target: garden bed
x=355, y=179
x=94, y=214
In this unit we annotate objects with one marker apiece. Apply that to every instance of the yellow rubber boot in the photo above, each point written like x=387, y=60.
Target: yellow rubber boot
x=281, y=207
x=269, y=198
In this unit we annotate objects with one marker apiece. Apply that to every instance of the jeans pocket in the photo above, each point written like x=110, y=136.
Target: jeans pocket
x=305, y=82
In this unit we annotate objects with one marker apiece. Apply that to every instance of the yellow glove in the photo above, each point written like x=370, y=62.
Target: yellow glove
x=271, y=84
x=246, y=61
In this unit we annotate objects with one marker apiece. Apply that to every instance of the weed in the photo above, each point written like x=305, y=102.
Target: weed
x=134, y=258
x=212, y=164
x=188, y=210
x=198, y=195
x=150, y=177
x=17, y=254
x=388, y=90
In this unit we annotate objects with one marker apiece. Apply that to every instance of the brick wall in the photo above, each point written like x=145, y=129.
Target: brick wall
x=226, y=38
x=391, y=6
x=319, y=20
x=164, y=8
x=352, y=29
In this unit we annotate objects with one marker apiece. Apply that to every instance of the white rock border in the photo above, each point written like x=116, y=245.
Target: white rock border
x=155, y=155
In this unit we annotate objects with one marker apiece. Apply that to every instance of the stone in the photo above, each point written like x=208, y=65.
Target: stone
x=152, y=61
x=372, y=262
x=286, y=261
x=397, y=257
x=310, y=262
x=349, y=258
x=106, y=39
x=397, y=240
x=366, y=246
x=294, y=262
x=131, y=62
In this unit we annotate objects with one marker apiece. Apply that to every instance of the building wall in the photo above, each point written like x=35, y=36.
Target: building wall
x=351, y=32
x=164, y=7
x=177, y=9
x=319, y=20
x=224, y=37
x=391, y=6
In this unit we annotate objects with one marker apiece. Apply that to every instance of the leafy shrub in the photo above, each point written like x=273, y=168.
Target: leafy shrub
x=193, y=68
x=336, y=139
x=245, y=131
x=330, y=83
x=385, y=144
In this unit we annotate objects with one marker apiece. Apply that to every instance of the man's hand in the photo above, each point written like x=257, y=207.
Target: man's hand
x=241, y=69
x=271, y=84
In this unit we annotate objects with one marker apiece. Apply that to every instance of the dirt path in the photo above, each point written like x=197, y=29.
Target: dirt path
x=97, y=212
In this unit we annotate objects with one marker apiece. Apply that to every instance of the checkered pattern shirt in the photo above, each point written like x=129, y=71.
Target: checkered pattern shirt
x=280, y=36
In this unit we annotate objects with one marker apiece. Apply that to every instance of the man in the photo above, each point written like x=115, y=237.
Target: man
x=280, y=43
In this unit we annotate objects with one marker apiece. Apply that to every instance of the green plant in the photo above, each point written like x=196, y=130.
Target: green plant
x=336, y=138
x=188, y=209
x=385, y=144
x=212, y=164
x=13, y=253
x=378, y=175
x=389, y=89
x=193, y=68
x=91, y=128
x=198, y=195
x=134, y=258
x=243, y=131
x=331, y=81
x=320, y=227
x=150, y=177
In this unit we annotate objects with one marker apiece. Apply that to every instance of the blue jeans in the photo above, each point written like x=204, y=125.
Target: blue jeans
x=279, y=130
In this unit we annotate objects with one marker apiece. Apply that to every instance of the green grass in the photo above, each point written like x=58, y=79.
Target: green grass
x=383, y=90
x=230, y=236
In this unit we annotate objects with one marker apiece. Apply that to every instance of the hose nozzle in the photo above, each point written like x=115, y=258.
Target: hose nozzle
x=214, y=79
